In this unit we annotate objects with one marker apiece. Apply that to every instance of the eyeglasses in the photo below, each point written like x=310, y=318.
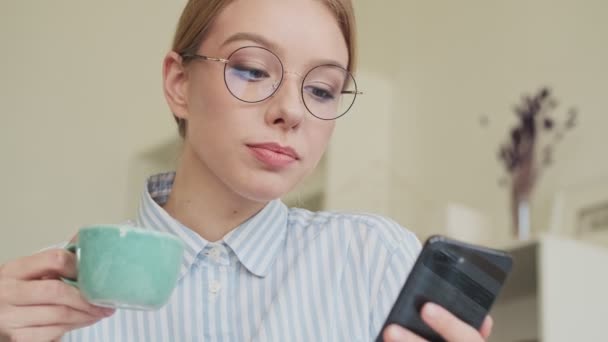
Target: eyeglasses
x=253, y=74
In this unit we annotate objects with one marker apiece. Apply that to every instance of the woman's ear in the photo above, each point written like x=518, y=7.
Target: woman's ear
x=175, y=85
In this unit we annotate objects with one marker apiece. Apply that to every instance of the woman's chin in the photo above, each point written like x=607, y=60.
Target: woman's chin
x=264, y=192
x=263, y=196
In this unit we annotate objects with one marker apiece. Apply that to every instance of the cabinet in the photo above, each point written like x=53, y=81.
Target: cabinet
x=557, y=292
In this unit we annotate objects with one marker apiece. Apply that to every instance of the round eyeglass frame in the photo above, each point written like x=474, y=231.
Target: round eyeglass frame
x=193, y=56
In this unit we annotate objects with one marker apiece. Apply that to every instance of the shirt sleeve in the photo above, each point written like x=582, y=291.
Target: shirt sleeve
x=392, y=275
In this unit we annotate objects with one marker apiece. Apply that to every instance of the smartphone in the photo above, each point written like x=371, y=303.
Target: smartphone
x=463, y=278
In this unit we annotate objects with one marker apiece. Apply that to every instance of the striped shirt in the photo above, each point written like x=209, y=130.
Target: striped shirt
x=283, y=275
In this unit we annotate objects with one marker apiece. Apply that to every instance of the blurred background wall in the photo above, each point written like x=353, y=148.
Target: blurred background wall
x=431, y=71
x=84, y=119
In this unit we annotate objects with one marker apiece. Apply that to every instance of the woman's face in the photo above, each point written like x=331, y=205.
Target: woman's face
x=260, y=150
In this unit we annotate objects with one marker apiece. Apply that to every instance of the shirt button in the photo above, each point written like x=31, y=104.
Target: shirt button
x=215, y=287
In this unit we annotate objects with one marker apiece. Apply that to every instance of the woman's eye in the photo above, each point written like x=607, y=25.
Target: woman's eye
x=249, y=73
x=320, y=93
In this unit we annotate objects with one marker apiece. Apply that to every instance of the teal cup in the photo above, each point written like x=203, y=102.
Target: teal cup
x=126, y=267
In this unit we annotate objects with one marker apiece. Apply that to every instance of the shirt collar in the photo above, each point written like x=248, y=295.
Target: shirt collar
x=151, y=215
x=256, y=242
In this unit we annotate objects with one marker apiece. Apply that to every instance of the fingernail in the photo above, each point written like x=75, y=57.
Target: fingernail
x=108, y=311
x=431, y=310
x=394, y=333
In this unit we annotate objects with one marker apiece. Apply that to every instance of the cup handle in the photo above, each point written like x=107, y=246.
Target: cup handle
x=73, y=248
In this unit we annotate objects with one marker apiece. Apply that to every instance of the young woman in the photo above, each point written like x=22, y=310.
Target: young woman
x=255, y=86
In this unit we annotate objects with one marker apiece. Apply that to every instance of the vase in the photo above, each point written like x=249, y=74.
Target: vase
x=521, y=217
x=523, y=181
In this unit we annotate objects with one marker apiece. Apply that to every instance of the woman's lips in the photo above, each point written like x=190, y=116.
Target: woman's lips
x=273, y=155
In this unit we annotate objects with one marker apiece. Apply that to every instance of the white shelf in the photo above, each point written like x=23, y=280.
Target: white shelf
x=556, y=292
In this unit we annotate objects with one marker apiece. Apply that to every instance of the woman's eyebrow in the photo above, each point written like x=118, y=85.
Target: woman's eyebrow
x=252, y=37
x=319, y=62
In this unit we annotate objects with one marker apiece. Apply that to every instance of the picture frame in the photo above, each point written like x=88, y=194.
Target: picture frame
x=581, y=211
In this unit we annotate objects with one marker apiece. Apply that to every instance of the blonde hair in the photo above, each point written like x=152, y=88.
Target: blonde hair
x=198, y=17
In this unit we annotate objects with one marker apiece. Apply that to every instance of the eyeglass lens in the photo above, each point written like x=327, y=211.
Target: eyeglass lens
x=253, y=74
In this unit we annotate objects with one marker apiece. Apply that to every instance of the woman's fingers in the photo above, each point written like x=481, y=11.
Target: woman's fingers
x=486, y=327
x=46, y=315
x=39, y=334
x=46, y=292
x=43, y=333
x=35, y=305
x=53, y=262
x=396, y=333
x=445, y=324
x=449, y=326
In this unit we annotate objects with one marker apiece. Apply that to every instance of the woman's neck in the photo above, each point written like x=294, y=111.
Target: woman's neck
x=203, y=203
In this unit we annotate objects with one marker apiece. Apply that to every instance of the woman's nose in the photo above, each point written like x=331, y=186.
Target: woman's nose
x=286, y=105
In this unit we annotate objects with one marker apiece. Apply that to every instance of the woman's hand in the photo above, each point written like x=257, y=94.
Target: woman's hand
x=35, y=305
x=444, y=323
